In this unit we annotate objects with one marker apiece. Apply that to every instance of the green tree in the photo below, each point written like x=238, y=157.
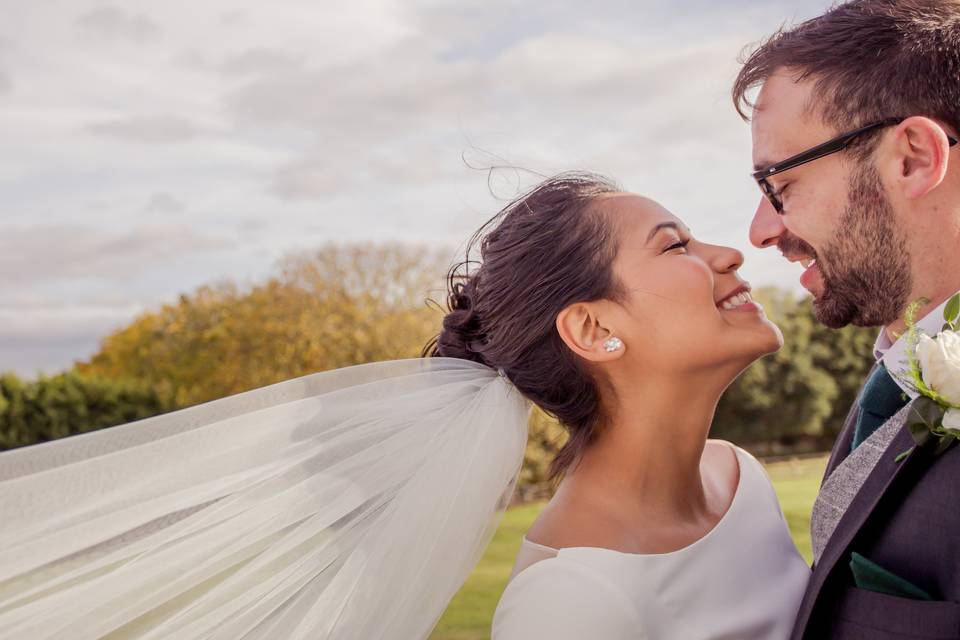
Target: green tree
x=797, y=397
x=54, y=407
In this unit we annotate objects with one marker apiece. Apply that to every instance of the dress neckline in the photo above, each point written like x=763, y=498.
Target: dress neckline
x=737, y=498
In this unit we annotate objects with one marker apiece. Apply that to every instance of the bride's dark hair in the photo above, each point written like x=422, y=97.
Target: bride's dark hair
x=544, y=251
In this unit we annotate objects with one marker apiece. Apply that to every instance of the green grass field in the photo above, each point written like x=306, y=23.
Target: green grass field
x=469, y=614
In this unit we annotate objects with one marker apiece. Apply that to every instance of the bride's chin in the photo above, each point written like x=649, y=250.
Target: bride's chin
x=775, y=333
x=765, y=330
x=763, y=341
x=774, y=341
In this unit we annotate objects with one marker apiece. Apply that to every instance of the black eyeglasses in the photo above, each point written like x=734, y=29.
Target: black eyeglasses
x=814, y=153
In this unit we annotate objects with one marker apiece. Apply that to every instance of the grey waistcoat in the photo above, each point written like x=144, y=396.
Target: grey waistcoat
x=839, y=489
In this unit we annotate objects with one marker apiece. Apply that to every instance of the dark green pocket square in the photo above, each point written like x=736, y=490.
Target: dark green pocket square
x=872, y=577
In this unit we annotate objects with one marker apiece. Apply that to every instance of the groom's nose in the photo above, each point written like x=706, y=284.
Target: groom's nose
x=766, y=226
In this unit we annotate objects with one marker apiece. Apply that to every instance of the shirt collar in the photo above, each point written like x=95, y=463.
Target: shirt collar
x=893, y=354
x=882, y=345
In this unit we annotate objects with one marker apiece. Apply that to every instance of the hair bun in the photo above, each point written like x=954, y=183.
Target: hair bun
x=462, y=335
x=544, y=251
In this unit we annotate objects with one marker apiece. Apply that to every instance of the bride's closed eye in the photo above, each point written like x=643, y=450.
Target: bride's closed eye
x=681, y=244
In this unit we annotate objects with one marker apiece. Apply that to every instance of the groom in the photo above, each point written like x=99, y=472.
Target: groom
x=854, y=149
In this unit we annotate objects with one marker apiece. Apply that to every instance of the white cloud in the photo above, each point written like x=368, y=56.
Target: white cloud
x=259, y=62
x=113, y=23
x=569, y=100
x=148, y=128
x=233, y=17
x=40, y=254
x=36, y=319
x=48, y=354
x=163, y=203
x=39, y=334
x=287, y=124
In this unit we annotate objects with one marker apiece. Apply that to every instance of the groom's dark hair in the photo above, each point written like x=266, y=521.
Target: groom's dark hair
x=868, y=60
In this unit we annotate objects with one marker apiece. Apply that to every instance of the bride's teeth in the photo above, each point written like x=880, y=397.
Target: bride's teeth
x=736, y=301
x=806, y=263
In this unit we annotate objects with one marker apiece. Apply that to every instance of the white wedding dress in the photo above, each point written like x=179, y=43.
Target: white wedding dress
x=743, y=580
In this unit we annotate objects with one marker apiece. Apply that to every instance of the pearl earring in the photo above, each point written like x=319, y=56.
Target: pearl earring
x=612, y=344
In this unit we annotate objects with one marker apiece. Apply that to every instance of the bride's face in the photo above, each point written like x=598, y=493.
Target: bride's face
x=685, y=308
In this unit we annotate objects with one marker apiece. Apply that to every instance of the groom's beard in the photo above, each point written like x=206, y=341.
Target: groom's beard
x=866, y=268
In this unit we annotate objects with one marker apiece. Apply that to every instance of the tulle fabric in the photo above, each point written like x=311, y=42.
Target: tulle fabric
x=346, y=504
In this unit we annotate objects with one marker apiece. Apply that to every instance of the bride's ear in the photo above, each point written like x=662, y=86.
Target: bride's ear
x=581, y=329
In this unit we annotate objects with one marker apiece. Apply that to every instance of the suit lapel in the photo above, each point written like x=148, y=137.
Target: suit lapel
x=841, y=448
x=882, y=477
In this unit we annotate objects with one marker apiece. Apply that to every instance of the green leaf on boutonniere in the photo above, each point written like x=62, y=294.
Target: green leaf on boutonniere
x=951, y=313
x=945, y=443
x=913, y=337
x=924, y=419
x=903, y=455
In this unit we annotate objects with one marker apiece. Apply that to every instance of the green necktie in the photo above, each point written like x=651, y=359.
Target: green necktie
x=880, y=399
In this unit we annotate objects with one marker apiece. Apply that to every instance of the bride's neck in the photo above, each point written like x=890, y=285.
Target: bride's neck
x=650, y=451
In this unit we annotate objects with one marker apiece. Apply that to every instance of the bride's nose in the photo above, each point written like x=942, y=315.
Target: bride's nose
x=725, y=259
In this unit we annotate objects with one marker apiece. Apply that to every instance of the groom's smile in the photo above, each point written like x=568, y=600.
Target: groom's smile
x=796, y=250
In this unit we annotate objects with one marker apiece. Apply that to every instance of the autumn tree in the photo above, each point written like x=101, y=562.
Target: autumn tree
x=335, y=307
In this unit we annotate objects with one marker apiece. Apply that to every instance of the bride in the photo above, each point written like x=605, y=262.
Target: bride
x=635, y=330
x=354, y=503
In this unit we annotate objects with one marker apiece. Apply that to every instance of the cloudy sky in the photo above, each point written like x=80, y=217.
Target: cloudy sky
x=152, y=147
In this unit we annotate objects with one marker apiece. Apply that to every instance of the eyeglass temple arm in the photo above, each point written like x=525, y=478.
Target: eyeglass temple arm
x=830, y=147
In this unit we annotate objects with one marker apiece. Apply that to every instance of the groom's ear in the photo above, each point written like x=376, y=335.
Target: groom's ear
x=920, y=154
x=582, y=330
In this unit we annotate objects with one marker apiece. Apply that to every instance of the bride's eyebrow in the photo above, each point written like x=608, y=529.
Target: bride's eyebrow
x=663, y=225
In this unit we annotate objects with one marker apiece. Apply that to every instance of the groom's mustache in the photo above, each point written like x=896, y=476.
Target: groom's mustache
x=794, y=248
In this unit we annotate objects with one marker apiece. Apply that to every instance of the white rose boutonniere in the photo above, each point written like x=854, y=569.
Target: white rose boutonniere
x=935, y=375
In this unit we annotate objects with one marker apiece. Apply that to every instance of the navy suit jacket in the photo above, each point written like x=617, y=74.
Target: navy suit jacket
x=906, y=518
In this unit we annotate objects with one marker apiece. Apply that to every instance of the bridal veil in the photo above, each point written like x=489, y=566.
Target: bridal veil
x=348, y=504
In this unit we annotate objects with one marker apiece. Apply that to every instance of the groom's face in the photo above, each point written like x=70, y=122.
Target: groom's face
x=837, y=220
